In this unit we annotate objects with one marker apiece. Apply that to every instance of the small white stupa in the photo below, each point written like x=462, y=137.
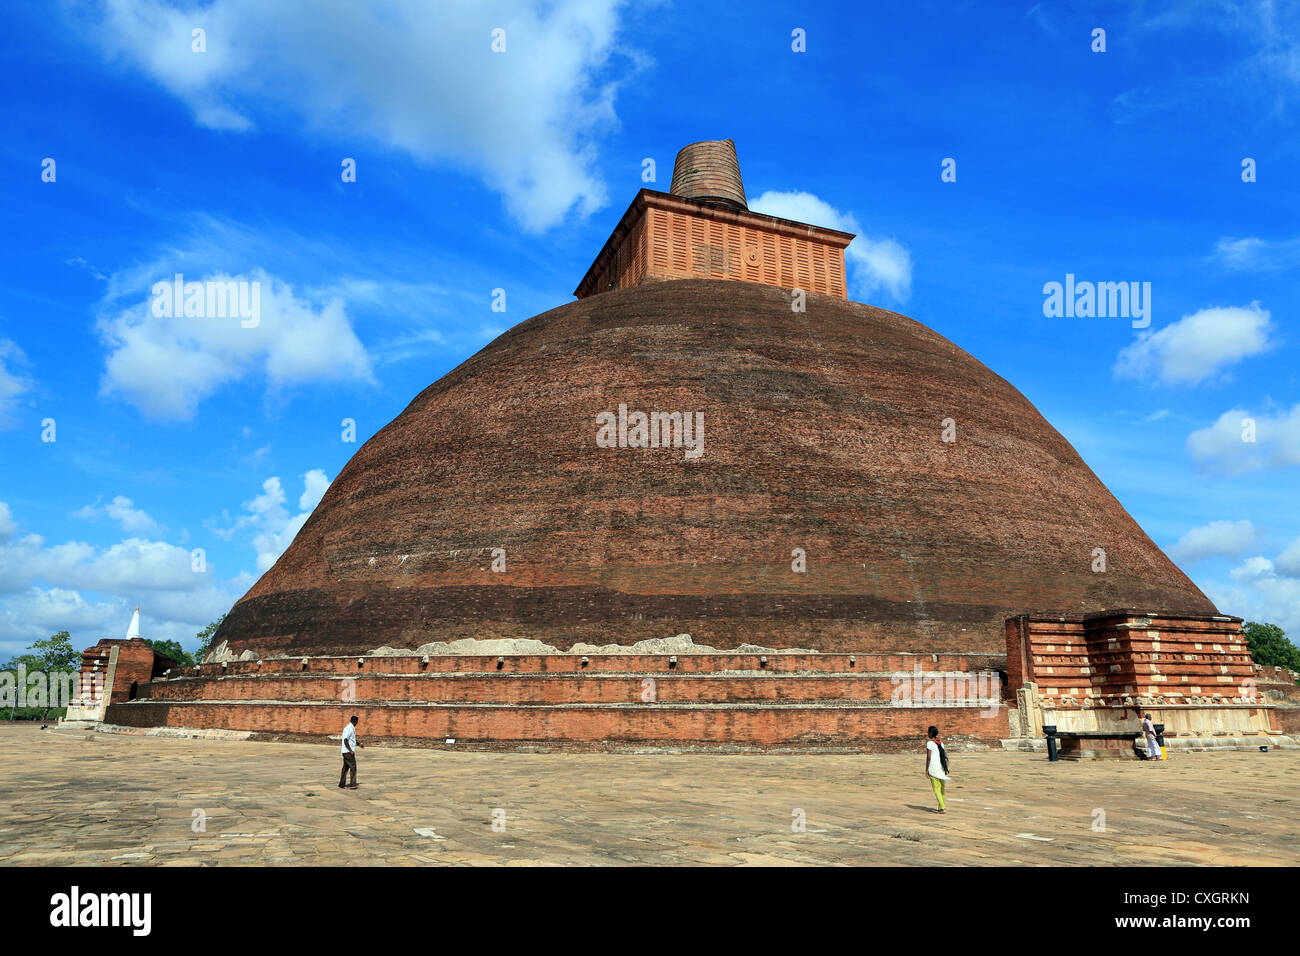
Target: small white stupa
x=134, y=630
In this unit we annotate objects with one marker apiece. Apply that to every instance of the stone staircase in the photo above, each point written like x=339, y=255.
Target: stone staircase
x=696, y=701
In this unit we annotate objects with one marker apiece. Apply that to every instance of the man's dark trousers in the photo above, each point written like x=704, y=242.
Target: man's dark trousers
x=349, y=763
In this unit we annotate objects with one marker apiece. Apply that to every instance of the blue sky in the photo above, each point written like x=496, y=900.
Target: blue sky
x=479, y=170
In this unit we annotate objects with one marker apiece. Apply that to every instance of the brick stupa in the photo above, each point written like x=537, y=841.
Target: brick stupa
x=823, y=432
x=864, y=489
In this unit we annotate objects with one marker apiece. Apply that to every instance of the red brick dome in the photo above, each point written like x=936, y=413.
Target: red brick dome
x=822, y=432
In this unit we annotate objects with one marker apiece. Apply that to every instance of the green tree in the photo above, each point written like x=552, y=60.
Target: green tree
x=173, y=650
x=29, y=663
x=205, y=639
x=54, y=655
x=57, y=656
x=1269, y=646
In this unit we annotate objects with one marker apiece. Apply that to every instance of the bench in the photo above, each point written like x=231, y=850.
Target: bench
x=1096, y=745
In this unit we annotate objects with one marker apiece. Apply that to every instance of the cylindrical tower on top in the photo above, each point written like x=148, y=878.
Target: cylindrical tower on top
x=709, y=171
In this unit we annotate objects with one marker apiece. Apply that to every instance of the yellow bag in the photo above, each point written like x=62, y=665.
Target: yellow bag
x=1164, y=754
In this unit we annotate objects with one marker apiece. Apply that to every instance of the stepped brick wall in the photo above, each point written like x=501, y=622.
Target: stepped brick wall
x=709, y=701
x=137, y=664
x=1278, y=686
x=1193, y=672
x=1110, y=656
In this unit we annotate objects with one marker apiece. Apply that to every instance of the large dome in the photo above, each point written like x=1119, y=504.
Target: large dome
x=822, y=432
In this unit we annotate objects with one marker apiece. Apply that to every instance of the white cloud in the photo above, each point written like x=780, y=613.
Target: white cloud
x=1288, y=562
x=1257, y=59
x=166, y=365
x=1259, y=593
x=90, y=591
x=1263, y=590
x=1252, y=254
x=315, y=484
x=1225, y=539
x=875, y=264
x=12, y=383
x=130, y=566
x=122, y=510
x=1252, y=569
x=273, y=527
x=7, y=524
x=36, y=613
x=411, y=75
x=1197, y=346
x=1222, y=447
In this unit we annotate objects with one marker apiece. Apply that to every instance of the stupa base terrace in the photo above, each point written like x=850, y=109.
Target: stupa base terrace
x=1094, y=674
x=595, y=701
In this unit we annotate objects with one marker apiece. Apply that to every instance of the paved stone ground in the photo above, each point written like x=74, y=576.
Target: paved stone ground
x=102, y=799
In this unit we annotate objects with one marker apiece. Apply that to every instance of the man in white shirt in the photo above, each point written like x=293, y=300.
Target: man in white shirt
x=350, y=746
x=1153, y=744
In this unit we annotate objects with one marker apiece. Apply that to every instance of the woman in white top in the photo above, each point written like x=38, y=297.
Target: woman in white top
x=936, y=767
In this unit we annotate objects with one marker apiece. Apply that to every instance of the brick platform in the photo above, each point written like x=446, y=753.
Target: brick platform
x=698, y=701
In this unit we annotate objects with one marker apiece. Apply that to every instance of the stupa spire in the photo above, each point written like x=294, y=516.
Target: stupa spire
x=703, y=229
x=709, y=171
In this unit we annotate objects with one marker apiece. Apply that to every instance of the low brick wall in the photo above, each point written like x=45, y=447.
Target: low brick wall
x=497, y=725
x=532, y=688
x=807, y=701
x=777, y=663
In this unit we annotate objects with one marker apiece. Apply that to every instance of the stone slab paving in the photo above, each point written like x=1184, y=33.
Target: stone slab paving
x=87, y=799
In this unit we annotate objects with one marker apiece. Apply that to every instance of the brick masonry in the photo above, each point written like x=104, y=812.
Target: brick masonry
x=662, y=236
x=1102, y=671
x=823, y=432
x=137, y=664
x=702, y=700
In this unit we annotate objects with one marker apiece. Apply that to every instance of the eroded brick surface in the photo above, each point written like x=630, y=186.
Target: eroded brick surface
x=822, y=432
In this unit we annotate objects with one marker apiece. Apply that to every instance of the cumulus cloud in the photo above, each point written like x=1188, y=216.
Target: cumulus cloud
x=130, y=566
x=36, y=613
x=272, y=525
x=122, y=510
x=1226, y=446
x=13, y=382
x=1259, y=591
x=166, y=365
x=90, y=591
x=1221, y=539
x=1264, y=590
x=874, y=265
x=1197, y=346
x=410, y=75
x=1288, y=562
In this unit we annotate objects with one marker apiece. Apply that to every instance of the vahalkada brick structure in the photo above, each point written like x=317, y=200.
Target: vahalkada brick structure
x=929, y=499
x=1101, y=673
x=112, y=672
